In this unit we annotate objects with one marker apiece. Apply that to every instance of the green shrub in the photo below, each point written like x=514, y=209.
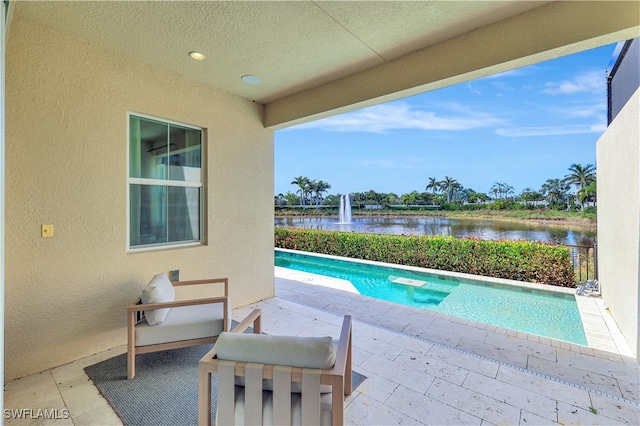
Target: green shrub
x=515, y=260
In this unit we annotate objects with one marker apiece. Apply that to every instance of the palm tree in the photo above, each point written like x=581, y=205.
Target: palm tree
x=502, y=189
x=555, y=191
x=588, y=193
x=303, y=182
x=449, y=185
x=319, y=187
x=581, y=176
x=433, y=185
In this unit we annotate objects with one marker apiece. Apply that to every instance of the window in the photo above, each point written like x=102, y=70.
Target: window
x=165, y=183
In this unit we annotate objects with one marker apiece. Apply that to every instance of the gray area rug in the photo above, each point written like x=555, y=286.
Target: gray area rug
x=164, y=390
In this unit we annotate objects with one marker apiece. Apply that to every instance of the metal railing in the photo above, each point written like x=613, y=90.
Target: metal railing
x=585, y=262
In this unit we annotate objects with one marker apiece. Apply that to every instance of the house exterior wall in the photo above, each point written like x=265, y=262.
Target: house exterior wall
x=66, y=150
x=618, y=161
x=624, y=78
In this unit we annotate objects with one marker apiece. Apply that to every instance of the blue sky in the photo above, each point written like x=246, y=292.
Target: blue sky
x=520, y=127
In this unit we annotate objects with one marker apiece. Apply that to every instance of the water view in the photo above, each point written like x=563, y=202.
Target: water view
x=460, y=228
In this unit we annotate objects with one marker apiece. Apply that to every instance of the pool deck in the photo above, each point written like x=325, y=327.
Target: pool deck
x=421, y=367
x=600, y=328
x=448, y=368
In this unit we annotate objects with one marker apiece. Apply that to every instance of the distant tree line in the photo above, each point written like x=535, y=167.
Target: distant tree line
x=449, y=194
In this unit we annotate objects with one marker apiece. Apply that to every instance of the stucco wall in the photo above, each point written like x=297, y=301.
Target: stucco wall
x=618, y=161
x=66, y=142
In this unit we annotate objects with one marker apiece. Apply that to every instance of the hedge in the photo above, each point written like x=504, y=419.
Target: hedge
x=515, y=260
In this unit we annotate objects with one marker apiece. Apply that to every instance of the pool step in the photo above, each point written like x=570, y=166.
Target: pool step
x=406, y=281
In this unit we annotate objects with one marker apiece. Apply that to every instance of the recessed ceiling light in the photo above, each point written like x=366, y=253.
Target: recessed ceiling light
x=197, y=55
x=251, y=79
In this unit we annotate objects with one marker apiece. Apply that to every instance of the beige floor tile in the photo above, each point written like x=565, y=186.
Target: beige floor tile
x=376, y=387
x=367, y=411
x=588, y=379
x=545, y=387
x=540, y=350
x=513, y=395
x=616, y=410
x=500, y=353
x=466, y=361
x=474, y=403
x=35, y=392
x=377, y=346
x=416, y=380
x=100, y=415
x=572, y=415
x=530, y=419
x=428, y=410
x=433, y=367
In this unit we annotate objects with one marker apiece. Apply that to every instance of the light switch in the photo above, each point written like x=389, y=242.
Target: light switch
x=47, y=231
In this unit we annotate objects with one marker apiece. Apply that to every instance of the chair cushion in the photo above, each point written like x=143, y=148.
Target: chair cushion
x=185, y=323
x=158, y=290
x=294, y=351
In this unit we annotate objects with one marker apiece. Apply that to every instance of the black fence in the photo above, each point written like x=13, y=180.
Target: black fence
x=584, y=260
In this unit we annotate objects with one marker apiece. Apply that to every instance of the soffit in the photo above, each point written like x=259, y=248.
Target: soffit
x=293, y=46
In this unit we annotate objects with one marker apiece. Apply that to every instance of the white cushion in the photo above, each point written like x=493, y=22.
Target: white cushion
x=185, y=323
x=294, y=351
x=158, y=290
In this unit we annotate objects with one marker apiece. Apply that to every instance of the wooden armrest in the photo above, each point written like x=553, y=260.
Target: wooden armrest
x=177, y=303
x=342, y=367
x=255, y=318
x=224, y=281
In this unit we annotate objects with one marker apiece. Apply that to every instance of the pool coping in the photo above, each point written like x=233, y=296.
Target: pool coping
x=599, y=326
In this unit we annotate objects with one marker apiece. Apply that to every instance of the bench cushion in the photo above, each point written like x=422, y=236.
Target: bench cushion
x=294, y=351
x=184, y=323
x=158, y=290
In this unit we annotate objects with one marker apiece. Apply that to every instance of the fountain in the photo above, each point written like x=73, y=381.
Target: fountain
x=345, y=209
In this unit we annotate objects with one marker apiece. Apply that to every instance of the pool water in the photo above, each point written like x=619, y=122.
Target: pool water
x=544, y=313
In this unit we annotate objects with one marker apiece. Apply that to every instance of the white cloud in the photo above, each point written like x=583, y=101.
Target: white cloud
x=591, y=110
x=590, y=82
x=523, y=132
x=402, y=116
x=473, y=90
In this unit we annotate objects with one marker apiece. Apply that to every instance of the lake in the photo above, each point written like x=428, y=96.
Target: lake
x=485, y=229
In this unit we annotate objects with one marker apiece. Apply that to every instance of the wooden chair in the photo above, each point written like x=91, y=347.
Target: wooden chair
x=187, y=323
x=274, y=383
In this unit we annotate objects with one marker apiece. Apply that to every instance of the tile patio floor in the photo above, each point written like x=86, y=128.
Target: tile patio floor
x=421, y=368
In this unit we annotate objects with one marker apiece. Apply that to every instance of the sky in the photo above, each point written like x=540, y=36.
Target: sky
x=520, y=127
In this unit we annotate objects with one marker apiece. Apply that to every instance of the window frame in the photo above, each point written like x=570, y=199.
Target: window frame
x=168, y=184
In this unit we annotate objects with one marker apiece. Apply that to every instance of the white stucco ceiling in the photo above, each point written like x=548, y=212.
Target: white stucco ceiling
x=317, y=58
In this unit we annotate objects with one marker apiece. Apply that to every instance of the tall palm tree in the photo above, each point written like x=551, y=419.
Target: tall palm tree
x=580, y=176
x=433, y=185
x=555, y=191
x=448, y=186
x=319, y=187
x=302, y=182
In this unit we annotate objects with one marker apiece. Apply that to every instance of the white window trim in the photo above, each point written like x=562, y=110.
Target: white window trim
x=164, y=182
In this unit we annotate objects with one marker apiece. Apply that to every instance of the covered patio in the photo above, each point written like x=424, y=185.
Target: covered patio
x=421, y=368
x=74, y=72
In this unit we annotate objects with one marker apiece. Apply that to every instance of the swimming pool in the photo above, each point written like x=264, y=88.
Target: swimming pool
x=541, y=312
